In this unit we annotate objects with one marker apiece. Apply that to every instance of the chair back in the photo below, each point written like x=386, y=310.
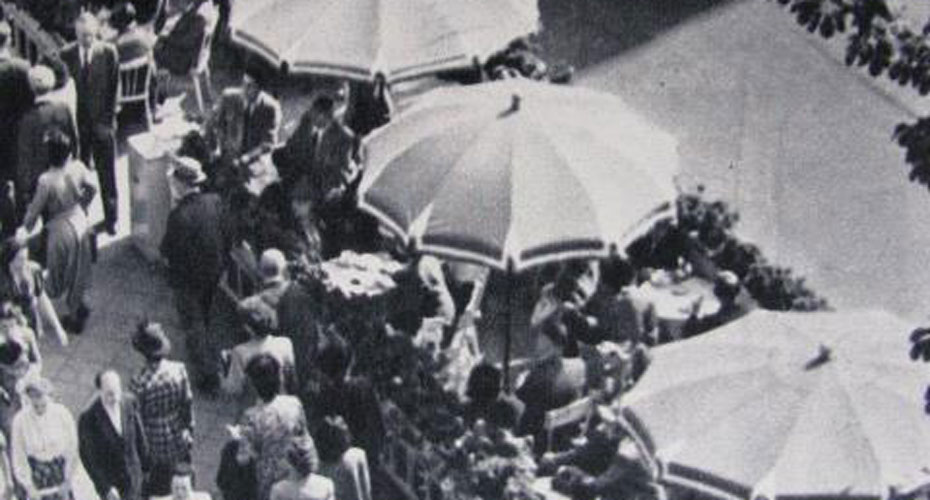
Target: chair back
x=573, y=413
x=203, y=58
x=134, y=80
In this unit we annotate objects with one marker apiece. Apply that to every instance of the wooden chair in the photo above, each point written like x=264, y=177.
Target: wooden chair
x=576, y=412
x=135, y=79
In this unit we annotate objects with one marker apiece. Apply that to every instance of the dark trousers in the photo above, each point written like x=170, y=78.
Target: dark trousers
x=193, y=306
x=101, y=148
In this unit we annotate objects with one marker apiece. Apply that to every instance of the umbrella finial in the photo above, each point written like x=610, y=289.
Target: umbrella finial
x=824, y=355
x=514, y=106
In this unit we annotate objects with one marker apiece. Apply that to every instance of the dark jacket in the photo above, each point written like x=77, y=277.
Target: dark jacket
x=32, y=151
x=237, y=132
x=328, y=165
x=113, y=460
x=15, y=99
x=179, y=50
x=96, y=85
x=196, y=242
x=133, y=44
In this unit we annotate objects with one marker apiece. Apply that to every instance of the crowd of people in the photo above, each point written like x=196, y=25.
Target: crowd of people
x=309, y=396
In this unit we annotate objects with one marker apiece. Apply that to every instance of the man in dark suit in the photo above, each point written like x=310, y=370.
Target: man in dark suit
x=323, y=149
x=31, y=150
x=179, y=49
x=196, y=245
x=246, y=121
x=112, y=442
x=94, y=65
x=244, y=126
x=15, y=99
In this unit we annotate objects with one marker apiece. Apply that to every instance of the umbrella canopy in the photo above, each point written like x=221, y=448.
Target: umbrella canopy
x=517, y=173
x=788, y=406
x=401, y=39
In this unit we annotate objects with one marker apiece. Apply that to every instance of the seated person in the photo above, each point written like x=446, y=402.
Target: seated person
x=131, y=41
x=595, y=454
x=369, y=106
x=178, y=50
x=622, y=314
x=628, y=475
x=557, y=320
x=244, y=125
x=322, y=150
x=487, y=402
x=735, y=303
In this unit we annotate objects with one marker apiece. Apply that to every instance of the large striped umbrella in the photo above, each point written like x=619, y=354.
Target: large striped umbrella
x=783, y=406
x=517, y=173
x=401, y=39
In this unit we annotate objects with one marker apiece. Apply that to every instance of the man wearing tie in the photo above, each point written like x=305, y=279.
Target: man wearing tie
x=244, y=126
x=322, y=149
x=94, y=65
x=112, y=442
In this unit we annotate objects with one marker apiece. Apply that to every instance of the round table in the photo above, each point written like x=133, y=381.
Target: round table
x=674, y=301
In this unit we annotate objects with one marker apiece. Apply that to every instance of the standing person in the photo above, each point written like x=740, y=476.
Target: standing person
x=165, y=403
x=112, y=441
x=15, y=99
x=22, y=282
x=262, y=323
x=19, y=355
x=272, y=424
x=44, y=443
x=245, y=125
x=62, y=195
x=302, y=482
x=236, y=476
x=352, y=398
x=94, y=65
x=320, y=148
x=195, y=245
x=345, y=465
x=32, y=151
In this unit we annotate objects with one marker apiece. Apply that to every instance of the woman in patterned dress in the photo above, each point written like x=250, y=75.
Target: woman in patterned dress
x=272, y=424
x=163, y=392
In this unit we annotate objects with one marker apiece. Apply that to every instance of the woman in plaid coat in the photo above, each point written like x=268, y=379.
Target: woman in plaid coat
x=163, y=392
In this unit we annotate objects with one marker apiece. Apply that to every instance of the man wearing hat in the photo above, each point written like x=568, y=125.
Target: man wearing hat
x=195, y=246
x=165, y=403
x=46, y=114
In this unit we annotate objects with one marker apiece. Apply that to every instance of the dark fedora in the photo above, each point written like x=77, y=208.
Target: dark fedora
x=150, y=340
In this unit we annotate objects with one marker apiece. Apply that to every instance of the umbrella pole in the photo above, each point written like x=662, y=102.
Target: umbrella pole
x=509, y=333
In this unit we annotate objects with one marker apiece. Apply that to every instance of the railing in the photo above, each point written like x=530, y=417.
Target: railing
x=411, y=466
x=29, y=40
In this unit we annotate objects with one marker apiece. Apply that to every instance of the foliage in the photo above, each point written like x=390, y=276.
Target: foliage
x=883, y=43
x=704, y=232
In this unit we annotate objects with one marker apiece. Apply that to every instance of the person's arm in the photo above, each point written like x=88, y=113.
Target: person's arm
x=19, y=455
x=87, y=449
x=70, y=441
x=108, y=119
x=363, y=476
x=36, y=206
x=234, y=381
x=187, y=406
x=142, y=444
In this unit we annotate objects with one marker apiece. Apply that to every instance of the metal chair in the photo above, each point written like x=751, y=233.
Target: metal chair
x=576, y=412
x=135, y=79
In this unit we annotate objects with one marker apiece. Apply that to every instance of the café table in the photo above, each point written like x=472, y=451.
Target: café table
x=543, y=486
x=675, y=299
